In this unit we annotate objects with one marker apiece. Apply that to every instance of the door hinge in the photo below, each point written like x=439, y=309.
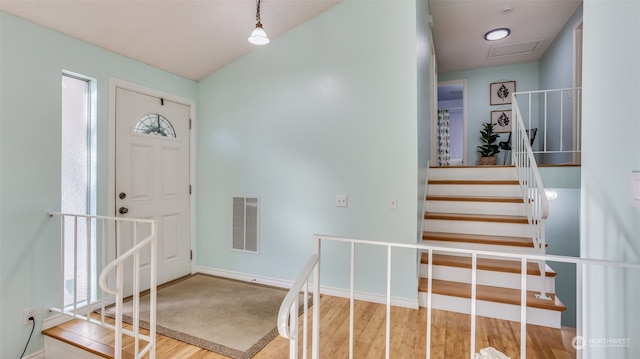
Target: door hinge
x=191, y=254
x=189, y=123
x=189, y=189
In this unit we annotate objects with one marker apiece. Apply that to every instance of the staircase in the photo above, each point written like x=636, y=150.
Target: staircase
x=81, y=339
x=482, y=208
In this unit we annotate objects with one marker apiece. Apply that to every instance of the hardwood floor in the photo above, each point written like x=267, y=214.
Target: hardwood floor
x=450, y=336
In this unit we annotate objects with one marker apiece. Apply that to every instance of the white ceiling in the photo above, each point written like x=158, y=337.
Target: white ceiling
x=194, y=38
x=459, y=27
x=191, y=38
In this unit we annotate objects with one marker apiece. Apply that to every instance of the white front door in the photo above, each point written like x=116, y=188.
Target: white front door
x=152, y=175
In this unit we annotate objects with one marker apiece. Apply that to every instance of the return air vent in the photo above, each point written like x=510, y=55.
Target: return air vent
x=245, y=223
x=520, y=48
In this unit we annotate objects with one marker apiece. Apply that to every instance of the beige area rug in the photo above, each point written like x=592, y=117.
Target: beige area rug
x=229, y=317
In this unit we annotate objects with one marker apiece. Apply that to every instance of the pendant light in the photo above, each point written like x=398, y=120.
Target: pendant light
x=258, y=36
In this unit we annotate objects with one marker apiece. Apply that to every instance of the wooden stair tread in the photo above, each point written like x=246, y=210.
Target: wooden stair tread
x=491, y=294
x=497, y=265
x=478, y=239
x=475, y=199
x=90, y=337
x=476, y=217
x=473, y=182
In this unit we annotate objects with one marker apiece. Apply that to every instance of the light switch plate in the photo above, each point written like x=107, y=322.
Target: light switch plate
x=342, y=200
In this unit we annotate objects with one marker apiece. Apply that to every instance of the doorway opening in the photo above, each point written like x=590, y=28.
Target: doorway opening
x=451, y=125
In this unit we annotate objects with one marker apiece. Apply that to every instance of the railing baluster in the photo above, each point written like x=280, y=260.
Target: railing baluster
x=352, y=272
x=89, y=255
x=429, y=295
x=75, y=265
x=580, y=318
x=293, y=322
x=523, y=308
x=474, y=283
x=305, y=320
x=388, y=316
x=561, y=117
x=103, y=294
x=63, y=248
x=136, y=291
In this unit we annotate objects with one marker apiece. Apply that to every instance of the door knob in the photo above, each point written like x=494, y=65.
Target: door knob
x=123, y=210
x=122, y=195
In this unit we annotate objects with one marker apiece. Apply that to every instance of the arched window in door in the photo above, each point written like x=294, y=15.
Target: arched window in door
x=154, y=124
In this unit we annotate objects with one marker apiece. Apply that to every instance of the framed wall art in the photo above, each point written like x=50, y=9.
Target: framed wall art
x=502, y=120
x=500, y=92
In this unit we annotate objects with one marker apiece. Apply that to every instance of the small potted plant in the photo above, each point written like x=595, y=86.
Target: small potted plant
x=489, y=148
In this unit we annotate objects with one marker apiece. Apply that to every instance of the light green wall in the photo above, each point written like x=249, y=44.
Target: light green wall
x=478, y=107
x=557, y=72
x=557, y=63
x=426, y=84
x=32, y=60
x=610, y=226
x=325, y=109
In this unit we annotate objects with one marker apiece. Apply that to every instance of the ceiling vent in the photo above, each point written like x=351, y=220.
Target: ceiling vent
x=520, y=48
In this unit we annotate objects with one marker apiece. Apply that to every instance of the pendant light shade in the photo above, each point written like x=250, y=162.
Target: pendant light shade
x=258, y=36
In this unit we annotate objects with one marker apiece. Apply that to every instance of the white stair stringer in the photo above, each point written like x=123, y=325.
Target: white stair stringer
x=537, y=316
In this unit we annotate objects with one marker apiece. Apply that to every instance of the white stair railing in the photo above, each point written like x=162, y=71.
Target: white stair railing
x=85, y=238
x=532, y=190
x=288, y=310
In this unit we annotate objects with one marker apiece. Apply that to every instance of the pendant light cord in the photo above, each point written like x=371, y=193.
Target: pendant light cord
x=258, y=10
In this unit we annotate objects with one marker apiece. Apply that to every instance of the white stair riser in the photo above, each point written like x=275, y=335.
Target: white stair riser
x=56, y=349
x=490, y=278
x=470, y=207
x=476, y=173
x=543, y=317
x=481, y=247
x=474, y=190
x=477, y=227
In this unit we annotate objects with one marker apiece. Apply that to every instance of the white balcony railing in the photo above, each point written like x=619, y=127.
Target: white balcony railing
x=288, y=318
x=86, y=253
x=558, y=118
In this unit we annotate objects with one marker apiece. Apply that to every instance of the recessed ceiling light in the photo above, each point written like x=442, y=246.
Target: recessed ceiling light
x=497, y=34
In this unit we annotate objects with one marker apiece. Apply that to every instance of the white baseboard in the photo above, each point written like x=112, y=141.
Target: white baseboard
x=245, y=277
x=371, y=297
x=36, y=355
x=336, y=292
x=55, y=320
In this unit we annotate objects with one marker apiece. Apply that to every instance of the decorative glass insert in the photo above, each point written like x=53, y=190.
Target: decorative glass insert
x=154, y=124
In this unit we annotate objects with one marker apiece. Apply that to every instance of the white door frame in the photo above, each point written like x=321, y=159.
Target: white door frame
x=111, y=148
x=434, y=123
